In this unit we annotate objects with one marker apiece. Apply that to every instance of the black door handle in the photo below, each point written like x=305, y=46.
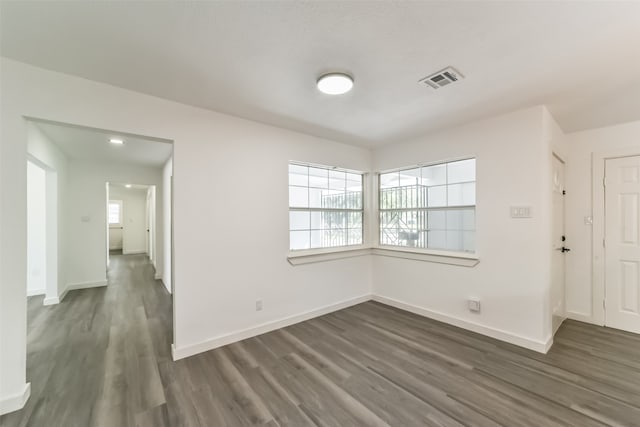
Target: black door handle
x=565, y=249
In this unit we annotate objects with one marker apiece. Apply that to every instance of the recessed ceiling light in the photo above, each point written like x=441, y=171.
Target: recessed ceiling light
x=335, y=83
x=116, y=141
x=128, y=185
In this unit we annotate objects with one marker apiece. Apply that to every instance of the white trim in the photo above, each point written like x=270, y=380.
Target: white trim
x=34, y=292
x=582, y=317
x=16, y=401
x=499, y=334
x=441, y=257
x=134, y=252
x=598, y=251
x=222, y=340
x=53, y=300
x=308, y=257
x=157, y=276
x=73, y=287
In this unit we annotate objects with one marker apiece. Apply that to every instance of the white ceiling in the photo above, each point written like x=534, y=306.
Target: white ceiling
x=93, y=144
x=260, y=60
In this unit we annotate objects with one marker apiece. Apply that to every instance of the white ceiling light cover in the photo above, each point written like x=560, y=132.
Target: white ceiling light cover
x=335, y=83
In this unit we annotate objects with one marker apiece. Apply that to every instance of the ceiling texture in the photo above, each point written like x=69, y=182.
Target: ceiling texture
x=260, y=60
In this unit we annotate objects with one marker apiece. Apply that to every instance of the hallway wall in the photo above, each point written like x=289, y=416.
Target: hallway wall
x=36, y=230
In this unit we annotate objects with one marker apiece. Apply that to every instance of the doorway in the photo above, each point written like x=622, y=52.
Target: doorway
x=622, y=243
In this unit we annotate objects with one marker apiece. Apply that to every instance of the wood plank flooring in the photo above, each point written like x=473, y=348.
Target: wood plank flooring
x=102, y=358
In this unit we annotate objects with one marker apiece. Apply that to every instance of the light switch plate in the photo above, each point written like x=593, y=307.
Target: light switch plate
x=520, y=211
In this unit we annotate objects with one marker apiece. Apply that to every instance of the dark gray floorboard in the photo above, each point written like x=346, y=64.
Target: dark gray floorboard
x=102, y=358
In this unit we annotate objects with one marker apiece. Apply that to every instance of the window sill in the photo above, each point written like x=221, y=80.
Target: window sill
x=442, y=257
x=328, y=254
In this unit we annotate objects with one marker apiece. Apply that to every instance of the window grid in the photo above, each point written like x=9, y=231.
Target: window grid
x=325, y=207
x=411, y=217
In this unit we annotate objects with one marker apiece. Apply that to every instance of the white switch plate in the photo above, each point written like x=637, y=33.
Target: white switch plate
x=520, y=211
x=259, y=305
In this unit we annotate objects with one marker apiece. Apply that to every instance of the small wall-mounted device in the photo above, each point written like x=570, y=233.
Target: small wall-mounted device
x=520, y=211
x=474, y=305
x=259, y=305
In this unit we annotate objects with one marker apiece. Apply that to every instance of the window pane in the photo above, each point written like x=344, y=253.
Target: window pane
x=299, y=240
x=317, y=239
x=318, y=178
x=316, y=197
x=468, y=241
x=298, y=197
x=462, y=171
x=437, y=220
x=389, y=180
x=354, y=236
x=354, y=220
x=316, y=221
x=454, y=240
x=409, y=177
x=298, y=175
x=437, y=196
x=299, y=220
x=462, y=194
x=114, y=213
x=354, y=182
x=337, y=180
x=354, y=200
x=437, y=239
x=434, y=175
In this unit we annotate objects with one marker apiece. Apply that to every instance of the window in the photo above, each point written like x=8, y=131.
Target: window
x=325, y=207
x=115, y=212
x=430, y=207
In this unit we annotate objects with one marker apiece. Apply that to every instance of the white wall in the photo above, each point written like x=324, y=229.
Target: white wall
x=167, y=174
x=36, y=230
x=134, y=229
x=512, y=277
x=43, y=151
x=580, y=261
x=228, y=253
x=86, y=215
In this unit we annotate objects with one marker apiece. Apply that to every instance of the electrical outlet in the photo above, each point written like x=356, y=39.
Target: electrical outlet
x=259, y=305
x=474, y=305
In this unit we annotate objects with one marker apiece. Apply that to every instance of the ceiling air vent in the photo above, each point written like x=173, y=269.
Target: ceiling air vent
x=442, y=78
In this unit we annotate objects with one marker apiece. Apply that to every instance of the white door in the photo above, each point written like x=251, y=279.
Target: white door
x=559, y=245
x=622, y=243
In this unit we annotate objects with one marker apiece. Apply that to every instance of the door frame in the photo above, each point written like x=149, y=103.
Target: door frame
x=598, y=312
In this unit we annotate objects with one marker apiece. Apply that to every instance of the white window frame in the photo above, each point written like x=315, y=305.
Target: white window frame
x=303, y=256
x=426, y=254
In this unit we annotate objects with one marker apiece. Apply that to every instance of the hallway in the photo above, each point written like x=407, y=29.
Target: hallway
x=95, y=355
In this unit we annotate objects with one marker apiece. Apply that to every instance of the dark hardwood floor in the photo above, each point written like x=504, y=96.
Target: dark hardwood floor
x=102, y=358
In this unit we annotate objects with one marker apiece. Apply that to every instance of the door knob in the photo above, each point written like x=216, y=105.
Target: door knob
x=563, y=249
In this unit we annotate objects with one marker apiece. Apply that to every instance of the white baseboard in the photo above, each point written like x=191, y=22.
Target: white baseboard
x=53, y=300
x=34, y=292
x=158, y=276
x=222, y=340
x=134, y=252
x=83, y=285
x=15, y=401
x=581, y=317
x=539, y=346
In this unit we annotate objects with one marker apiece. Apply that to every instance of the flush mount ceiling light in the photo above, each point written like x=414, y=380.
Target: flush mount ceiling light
x=335, y=83
x=128, y=185
x=116, y=141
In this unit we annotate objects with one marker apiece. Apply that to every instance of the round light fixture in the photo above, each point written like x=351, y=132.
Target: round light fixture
x=335, y=83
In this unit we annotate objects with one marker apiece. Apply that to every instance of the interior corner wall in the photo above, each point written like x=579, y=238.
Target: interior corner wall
x=512, y=277
x=231, y=236
x=582, y=147
x=36, y=230
x=167, y=175
x=87, y=217
x=42, y=150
